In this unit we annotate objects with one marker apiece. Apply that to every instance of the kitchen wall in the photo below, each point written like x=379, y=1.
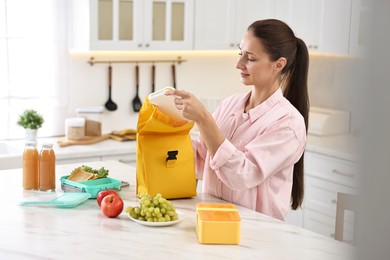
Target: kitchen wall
x=211, y=75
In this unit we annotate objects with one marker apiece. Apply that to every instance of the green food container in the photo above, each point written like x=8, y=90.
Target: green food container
x=92, y=187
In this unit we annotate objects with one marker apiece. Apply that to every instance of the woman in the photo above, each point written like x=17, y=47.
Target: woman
x=250, y=150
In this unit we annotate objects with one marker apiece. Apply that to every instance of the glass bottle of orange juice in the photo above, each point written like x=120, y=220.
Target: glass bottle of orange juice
x=30, y=166
x=47, y=168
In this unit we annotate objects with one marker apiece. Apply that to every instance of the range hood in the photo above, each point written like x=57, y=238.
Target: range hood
x=325, y=121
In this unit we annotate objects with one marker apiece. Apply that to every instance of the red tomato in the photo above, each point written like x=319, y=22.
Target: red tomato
x=104, y=193
x=112, y=205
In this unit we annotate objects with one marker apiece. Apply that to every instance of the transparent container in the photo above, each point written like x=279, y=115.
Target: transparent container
x=93, y=120
x=75, y=128
x=47, y=168
x=30, y=166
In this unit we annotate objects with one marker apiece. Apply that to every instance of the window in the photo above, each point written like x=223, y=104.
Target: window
x=33, y=64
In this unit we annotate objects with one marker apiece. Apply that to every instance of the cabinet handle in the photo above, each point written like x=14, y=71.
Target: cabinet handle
x=139, y=45
x=232, y=45
x=147, y=45
x=310, y=46
x=333, y=201
x=350, y=175
x=315, y=47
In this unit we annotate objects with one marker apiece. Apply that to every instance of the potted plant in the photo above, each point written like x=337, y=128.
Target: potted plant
x=31, y=121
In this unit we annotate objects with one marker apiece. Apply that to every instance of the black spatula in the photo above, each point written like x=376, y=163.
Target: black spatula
x=174, y=75
x=136, y=100
x=110, y=105
x=153, y=77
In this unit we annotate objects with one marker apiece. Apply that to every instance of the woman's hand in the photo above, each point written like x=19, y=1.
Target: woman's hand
x=188, y=104
x=194, y=110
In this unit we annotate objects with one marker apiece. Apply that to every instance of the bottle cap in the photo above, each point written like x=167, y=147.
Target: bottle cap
x=31, y=143
x=47, y=145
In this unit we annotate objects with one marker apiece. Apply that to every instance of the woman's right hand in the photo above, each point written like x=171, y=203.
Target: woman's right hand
x=189, y=105
x=192, y=109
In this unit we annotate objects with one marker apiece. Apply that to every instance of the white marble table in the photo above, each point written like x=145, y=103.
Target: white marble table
x=85, y=233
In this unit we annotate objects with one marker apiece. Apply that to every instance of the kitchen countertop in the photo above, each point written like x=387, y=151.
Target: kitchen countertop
x=106, y=147
x=84, y=232
x=339, y=146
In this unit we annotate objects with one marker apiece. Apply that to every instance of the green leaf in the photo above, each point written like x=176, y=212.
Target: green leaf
x=101, y=173
x=30, y=119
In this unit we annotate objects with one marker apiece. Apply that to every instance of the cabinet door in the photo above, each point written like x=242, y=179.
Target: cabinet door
x=213, y=19
x=304, y=17
x=322, y=24
x=335, y=26
x=359, y=27
x=221, y=24
x=247, y=12
x=295, y=217
x=168, y=24
x=116, y=24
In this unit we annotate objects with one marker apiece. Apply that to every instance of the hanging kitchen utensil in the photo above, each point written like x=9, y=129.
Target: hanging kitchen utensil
x=174, y=75
x=110, y=105
x=153, y=77
x=136, y=101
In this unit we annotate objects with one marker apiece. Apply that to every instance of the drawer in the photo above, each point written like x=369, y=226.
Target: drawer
x=331, y=169
x=325, y=225
x=321, y=195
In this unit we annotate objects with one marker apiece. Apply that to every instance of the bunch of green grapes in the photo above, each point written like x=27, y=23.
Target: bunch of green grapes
x=156, y=209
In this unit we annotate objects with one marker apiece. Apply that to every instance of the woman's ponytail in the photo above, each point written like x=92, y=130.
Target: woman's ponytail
x=297, y=93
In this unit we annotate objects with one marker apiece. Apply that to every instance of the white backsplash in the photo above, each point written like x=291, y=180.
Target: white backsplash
x=333, y=81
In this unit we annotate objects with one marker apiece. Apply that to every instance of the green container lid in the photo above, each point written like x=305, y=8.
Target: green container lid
x=92, y=187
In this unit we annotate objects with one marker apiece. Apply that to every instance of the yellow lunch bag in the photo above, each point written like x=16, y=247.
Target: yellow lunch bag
x=165, y=158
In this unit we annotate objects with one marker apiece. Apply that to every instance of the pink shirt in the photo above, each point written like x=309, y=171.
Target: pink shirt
x=254, y=165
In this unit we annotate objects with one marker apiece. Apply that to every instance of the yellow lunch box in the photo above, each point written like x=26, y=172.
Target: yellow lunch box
x=217, y=223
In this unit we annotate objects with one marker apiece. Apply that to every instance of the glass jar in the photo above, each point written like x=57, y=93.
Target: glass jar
x=47, y=168
x=75, y=128
x=93, y=120
x=30, y=166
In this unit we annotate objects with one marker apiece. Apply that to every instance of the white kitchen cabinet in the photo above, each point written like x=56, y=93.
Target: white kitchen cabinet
x=324, y=25
x=220, y=24
x=132, y=24
x=295, y=217
x=325, y=176
x=169, y=24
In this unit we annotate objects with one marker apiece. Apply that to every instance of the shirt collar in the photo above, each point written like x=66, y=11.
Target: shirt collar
x=261, y=109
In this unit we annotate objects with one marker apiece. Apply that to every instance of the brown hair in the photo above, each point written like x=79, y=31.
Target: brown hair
x=279, y=41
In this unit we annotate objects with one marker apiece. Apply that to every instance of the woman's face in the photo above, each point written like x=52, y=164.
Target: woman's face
x=254, y=64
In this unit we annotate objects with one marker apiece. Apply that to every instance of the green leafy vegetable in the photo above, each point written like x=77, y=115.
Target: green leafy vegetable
x=101, y=173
